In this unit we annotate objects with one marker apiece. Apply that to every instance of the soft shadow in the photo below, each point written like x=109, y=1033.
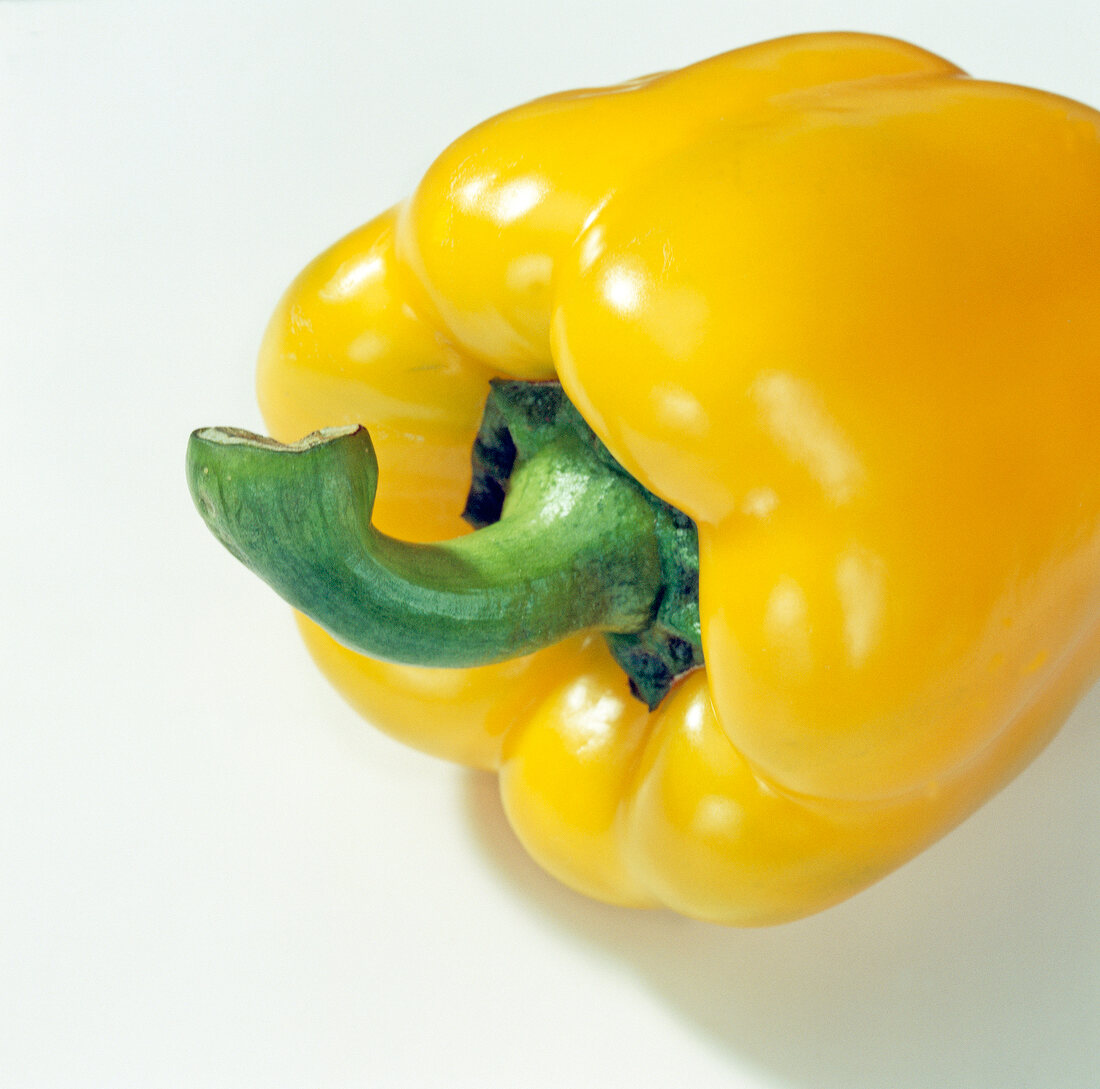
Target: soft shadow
x=976, y=966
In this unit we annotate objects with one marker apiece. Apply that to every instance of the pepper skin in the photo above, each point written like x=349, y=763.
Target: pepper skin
x=840, y=305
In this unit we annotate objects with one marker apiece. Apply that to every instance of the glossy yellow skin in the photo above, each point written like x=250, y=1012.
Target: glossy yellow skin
x=842, y=306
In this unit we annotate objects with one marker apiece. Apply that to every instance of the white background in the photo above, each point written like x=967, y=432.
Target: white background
x=211, y=872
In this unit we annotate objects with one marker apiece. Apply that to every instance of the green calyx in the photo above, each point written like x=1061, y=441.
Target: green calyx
x=519, y=418
x=566, y=541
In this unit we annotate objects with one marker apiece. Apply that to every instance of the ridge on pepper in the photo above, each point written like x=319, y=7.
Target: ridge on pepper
x=827, y=312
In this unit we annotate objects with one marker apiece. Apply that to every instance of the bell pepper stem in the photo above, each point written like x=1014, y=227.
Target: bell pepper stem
x=574, y=549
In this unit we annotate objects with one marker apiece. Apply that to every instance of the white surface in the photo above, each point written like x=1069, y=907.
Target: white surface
x=213, y=873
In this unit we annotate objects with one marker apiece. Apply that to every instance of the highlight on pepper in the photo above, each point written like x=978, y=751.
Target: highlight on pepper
x=714, y=456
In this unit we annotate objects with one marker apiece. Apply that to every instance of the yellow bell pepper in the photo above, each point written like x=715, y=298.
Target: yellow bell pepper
x=828, y=298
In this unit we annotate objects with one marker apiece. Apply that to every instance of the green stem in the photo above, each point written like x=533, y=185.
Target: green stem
x=574, y=549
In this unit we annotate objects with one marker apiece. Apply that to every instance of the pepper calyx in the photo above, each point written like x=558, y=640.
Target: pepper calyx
x=519, y=419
